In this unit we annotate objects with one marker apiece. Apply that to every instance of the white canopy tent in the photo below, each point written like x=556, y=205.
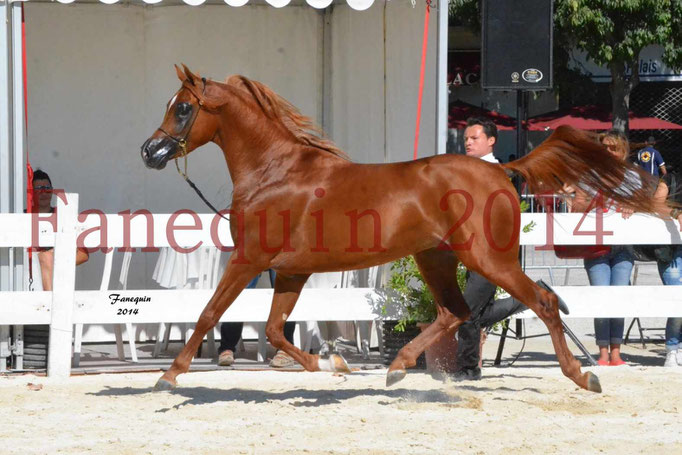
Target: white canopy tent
x=99, y=76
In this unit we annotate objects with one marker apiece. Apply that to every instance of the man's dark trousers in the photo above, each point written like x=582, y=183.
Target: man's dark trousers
x=479, y=296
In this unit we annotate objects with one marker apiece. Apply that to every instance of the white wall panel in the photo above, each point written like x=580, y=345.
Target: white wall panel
x=404, y=33
x=358, y=81
x=86, y=107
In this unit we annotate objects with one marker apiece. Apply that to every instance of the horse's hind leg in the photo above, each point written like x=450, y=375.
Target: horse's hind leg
x=234, y=280
x=545, y=305
x=287, y=290
x=439, y=269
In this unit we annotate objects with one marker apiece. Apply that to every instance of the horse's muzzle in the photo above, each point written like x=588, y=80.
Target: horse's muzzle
x=157, y=151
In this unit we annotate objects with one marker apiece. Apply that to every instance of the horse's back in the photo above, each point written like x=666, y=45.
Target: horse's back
x=447, y=172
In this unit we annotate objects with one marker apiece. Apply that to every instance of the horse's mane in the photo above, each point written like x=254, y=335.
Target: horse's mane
x=277, y=108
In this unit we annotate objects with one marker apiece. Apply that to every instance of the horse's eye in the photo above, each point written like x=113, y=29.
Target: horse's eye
x=183, y=109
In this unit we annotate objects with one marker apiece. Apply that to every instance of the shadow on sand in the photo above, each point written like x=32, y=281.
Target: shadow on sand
x=312, y=398
x=205, y=395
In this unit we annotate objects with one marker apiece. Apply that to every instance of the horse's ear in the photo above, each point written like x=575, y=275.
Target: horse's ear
x=181, y=75
x=191, y=77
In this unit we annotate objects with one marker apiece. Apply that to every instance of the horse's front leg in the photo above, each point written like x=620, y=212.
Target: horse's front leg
x=439, y=269
x=234, y=280
x=287, y=290
x=446, y=324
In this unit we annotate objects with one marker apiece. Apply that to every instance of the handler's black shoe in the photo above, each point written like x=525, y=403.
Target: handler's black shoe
x=467, y=374
x=562, y=305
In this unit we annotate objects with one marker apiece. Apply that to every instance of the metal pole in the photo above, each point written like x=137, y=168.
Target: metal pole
x=385, y=80
x=442, y=79
x=17, y=255
x=19, y=130
x=5, y=164
x=521, y=114
x=520, y=151
x=5, y=116
x=327, y=71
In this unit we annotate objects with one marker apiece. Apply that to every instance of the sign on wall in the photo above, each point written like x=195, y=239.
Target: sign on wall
x=651, y=67
x=464, y=68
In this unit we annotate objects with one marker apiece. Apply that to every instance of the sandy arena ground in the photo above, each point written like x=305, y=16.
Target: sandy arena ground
x=515, y=410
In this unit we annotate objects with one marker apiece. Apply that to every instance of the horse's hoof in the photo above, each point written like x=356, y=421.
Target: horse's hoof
x=593, y=384
x=334, y=363
x=162, y=385
x=339, y=364
x=395, y=376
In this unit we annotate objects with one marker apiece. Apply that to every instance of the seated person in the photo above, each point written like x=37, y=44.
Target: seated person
x=42, y=190
x=231, y=332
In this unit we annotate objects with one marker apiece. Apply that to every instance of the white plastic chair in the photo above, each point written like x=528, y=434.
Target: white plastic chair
x=208, y=279
x=123, y=280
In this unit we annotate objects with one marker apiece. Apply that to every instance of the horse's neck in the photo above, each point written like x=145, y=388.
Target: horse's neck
x=246, y=148
x=249, y=166
x=259, y=149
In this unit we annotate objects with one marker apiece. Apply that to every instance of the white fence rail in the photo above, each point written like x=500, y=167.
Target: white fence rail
x=64, y=307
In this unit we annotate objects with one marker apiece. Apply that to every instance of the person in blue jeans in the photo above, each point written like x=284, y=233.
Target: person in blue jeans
x=670, y=190
x=612, y=269
x=231, y=333
x=671, y=275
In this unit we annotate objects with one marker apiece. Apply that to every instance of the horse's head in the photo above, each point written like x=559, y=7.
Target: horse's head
x=188, y=124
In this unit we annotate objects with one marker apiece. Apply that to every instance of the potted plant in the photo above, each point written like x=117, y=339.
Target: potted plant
x=414, y=305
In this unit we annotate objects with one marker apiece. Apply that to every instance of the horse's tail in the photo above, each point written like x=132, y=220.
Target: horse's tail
x=577, y=158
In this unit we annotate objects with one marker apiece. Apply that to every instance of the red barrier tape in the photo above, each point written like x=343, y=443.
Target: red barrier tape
x=425, y=43
x=29, y=169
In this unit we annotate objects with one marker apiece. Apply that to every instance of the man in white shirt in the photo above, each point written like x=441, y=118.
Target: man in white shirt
x=480, y=137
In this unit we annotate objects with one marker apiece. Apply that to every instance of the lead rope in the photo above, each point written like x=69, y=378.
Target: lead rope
x=183, y=147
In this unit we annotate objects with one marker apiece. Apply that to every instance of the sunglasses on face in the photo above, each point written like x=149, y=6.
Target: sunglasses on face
x=42, y=188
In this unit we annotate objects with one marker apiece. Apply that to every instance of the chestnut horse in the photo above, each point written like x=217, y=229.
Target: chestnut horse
x=300, y=206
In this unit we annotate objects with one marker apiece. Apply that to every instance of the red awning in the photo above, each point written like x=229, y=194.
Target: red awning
x=594, y=117
x=461, y=111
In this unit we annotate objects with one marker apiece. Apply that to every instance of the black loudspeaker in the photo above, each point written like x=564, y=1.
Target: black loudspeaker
x=516, y=51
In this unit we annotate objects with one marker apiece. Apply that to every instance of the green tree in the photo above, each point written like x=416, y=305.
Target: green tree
x=612, y=33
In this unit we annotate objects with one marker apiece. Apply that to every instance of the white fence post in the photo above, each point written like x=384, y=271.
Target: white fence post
x=63, y=286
